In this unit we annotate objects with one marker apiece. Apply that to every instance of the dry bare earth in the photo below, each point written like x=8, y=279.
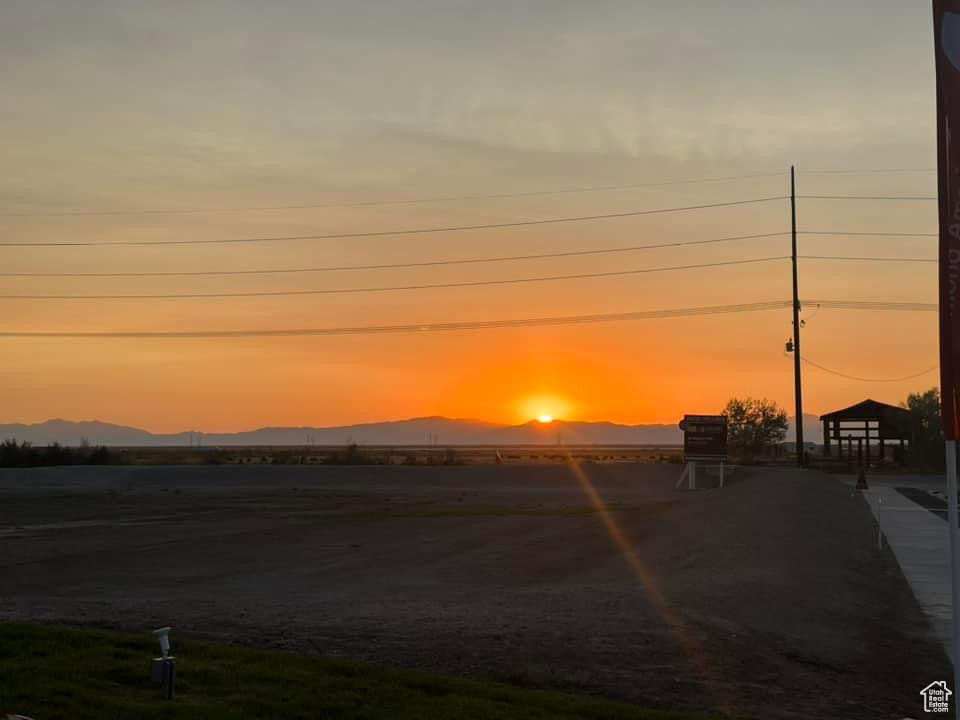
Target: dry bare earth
x=780, y=602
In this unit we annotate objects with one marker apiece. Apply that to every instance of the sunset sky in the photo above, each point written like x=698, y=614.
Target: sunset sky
x=125, y=106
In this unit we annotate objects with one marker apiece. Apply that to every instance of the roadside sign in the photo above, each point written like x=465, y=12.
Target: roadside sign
x=704, y=437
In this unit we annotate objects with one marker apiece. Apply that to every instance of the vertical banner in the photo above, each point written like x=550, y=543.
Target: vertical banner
x=946, y=33
x=946, y=27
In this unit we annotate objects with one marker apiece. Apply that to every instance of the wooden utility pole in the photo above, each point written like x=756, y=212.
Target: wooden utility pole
x=797, y=383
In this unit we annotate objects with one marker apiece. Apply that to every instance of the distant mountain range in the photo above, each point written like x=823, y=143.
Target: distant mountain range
x=417, y=431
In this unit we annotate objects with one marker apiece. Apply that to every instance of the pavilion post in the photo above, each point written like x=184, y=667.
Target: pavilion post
x=866, y=440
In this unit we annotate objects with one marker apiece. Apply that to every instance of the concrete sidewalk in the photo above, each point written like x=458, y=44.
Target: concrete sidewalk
x=920, y=542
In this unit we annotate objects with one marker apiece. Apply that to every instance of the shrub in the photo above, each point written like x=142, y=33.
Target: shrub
x=14, y=454
x=351, y=455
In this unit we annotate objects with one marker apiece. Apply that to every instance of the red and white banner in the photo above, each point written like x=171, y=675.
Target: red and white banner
x=946, y=28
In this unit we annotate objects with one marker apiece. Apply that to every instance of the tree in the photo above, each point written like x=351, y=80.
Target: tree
x=14, y=454
x=926, y=428
x=753, y=425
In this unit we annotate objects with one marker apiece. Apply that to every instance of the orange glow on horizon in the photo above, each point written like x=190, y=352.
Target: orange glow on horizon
x=544, y=408
x=598, y=373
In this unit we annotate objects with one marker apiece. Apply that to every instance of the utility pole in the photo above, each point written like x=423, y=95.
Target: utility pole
x=797, y=382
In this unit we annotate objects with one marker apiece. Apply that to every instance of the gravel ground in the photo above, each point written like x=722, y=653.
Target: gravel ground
x=767, y=598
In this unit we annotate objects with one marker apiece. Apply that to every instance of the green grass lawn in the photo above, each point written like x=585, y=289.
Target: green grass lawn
x=71, y=673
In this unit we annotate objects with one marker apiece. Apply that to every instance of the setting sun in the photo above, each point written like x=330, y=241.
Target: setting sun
x=543, y=408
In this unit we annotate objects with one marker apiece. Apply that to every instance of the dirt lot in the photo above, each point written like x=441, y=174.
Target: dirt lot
x=768, y=597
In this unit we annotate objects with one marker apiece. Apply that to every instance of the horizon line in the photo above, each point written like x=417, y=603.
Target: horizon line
x=493, y=425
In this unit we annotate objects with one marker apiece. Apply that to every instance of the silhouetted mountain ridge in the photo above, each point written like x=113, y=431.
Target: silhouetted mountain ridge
x=430, y=430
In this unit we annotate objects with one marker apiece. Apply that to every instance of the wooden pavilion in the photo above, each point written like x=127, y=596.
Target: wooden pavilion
x=862, y=423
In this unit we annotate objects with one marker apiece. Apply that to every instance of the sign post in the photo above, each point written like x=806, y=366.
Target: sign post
x=946, y=34
x=704, y=438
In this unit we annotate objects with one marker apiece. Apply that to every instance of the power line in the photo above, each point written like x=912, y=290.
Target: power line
x=873, y=380
x=867, y=197
x=391, y=288
x=374, y=203
x=877, y=171
x=873, y=305
x=393, y=266
x=451, y=198
x=804, y=321
x=418, y=327
x=411, y=231
x=448, y=326
x=867, y=234
x=868, y=259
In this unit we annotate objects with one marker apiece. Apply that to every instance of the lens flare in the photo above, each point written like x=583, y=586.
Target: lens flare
x=686, y=635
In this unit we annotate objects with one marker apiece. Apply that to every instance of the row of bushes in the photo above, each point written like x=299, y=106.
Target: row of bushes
x=354, y=455
x=350, y=455
x=14, y=454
